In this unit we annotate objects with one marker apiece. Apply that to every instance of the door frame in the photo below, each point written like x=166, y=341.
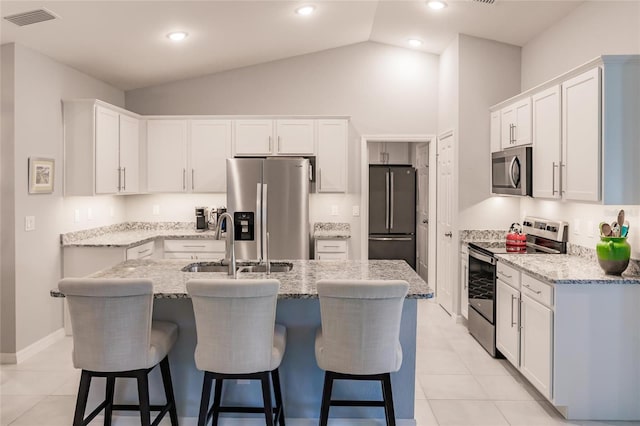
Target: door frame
x=364, y=192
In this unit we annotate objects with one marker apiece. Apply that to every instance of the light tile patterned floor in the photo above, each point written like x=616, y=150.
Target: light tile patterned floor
x=457, y=383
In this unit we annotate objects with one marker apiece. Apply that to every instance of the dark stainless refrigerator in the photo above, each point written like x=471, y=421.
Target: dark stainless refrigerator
x=392, y=213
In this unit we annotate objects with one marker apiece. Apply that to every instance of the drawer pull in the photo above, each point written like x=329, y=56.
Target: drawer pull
x=192, y=246
x=535, y=291
x=505, y=275
x=334, y=246
x=144, y=251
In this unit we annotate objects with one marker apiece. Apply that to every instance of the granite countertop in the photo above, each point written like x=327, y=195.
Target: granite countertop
x=331, y=231
x=299, y=283
x=138, y=236
x=565, y=269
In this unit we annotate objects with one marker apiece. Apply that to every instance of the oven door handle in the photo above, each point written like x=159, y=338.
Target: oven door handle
x=481, y=257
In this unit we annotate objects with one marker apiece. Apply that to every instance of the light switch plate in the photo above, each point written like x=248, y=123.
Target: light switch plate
x=89, y=213
x=156, y=210
x=355, y=210
x=334, y=210
x=76, y=215
x=29, y=223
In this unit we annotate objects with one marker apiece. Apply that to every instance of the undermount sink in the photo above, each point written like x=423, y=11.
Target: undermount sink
x=251, y=267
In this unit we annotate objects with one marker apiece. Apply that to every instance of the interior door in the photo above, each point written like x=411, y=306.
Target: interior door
x=445, y=254
x=422, y=208
x=402, y=200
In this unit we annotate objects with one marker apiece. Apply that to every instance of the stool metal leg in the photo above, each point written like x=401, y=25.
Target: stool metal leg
x=168, y=390
x=217, y=398
x=83, y=395
x=275, y=377
x=111, y=383
x=266, y=397
x=388, y=400
x=326, y=398
x=204, y=399
x=143, y=397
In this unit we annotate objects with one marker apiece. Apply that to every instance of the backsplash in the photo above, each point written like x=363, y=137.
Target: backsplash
x=71, y=237
x=467, y=235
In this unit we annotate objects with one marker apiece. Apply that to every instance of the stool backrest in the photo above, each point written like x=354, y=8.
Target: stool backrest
x=111, y=321
x=235, y=322
x=361, y=324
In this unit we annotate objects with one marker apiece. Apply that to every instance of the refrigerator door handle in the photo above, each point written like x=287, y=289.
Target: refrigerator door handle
x=386, y=201
x=391, y=206
x=265, y=231
x=258, y=221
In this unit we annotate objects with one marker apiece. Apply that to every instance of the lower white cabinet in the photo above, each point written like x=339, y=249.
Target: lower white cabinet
x=196, y=249
x=142, y=251
x=536, y=340
x=331, y=249
x=508, y=322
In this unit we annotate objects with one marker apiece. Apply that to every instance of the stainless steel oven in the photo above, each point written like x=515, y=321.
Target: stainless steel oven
x=511, y=171
x=482, y=291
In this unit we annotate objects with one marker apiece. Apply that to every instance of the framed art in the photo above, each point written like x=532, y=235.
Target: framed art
x=41, y=175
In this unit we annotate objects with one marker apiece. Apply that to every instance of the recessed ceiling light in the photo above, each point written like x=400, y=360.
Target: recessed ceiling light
x=437, y=4
x=414, y=42
x=305, y=10
x=177, y=36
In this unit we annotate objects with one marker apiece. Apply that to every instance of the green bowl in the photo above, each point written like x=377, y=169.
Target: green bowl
x=613, y=254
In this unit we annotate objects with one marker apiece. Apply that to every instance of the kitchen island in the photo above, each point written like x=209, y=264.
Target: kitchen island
x=298, y=309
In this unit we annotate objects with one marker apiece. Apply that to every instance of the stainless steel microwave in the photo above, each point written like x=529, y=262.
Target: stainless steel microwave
x=511, y=171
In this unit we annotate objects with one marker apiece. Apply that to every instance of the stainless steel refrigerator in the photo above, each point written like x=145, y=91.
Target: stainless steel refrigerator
x=269, y=196
x=392, y=213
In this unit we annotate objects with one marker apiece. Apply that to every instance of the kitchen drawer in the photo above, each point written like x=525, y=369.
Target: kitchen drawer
x=537, y=290
x=508, y=275
x=141, y=252
x=199, y=245
x=331, y=246
x=331, y=256
x=195, y=256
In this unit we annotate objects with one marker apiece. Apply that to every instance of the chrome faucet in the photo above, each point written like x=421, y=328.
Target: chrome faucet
x=229, y=245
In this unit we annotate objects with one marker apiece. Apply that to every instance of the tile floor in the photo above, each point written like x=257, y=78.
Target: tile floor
x=457, y=383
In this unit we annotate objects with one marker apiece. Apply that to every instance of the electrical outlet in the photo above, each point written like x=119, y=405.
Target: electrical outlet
x=29, y=223
x=156, y=210
x=76, y=215
x=89, y=213
x=355, y=210
x=334, y=210
x=576, y=227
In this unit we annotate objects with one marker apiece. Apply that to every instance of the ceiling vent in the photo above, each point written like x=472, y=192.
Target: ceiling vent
x=31, y=17
x=485, y=1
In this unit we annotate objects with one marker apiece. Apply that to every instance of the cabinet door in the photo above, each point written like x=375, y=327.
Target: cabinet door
x=376, y=153
x=495, y=131
x=507, y=322
x=253, y=137
x=397, y=152
x=332, y=156
x=581, y=142
x=507, y=120
x=537, y=344
x=106, y=156
x=129, y=154
x=295, y=137
x=210, y=148
x=522, y=129
x=546, y=143
x=167, y=155
x=464, y=285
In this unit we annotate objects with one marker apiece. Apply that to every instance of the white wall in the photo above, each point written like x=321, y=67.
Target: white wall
x=592, y=29
x=40, y=84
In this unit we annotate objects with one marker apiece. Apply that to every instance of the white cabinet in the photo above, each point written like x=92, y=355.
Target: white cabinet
x=196, y=249
x=331, y=167
x=253, y=137
x=167, y=155
x=389, y=153
x=101, y=149
x=508, y=321
x=209, y=148
x=536, y=341
x=141, y=251
x=496, y=143
x=464, y=281
x=188, y=155
x=295, y=137
x=546, y=106
x=581, y=133
x=331, y=249
x=515, y=124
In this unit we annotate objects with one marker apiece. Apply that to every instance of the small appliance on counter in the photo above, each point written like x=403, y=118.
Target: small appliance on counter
x=516, y=240
x=202, y=224
x=214, y=214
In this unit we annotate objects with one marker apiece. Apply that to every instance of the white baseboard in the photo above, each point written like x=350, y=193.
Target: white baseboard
x=26, y=353
x=256, y=421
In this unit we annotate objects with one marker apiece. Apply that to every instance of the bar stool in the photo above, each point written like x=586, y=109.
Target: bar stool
x=359, y=338
x=238, y=339
x=113, y=337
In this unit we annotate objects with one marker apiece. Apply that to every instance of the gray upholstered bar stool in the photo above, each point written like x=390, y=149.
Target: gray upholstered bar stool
x=238, y=339
x=359, y=338
x=114, y=336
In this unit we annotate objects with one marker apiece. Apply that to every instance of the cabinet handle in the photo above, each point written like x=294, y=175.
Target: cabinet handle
x=505, y=275
x=513, y=323
x=278, y=143
x=535, y=291
x=193, y=178
x=327, y=246
x=515, y=133
x=521, y=317
x=194, y=246
x=553, y=178
x=144, y=251
x=465, y=278
x=184, y=179
x=562, y=190
x=124, y=178
x=269, y=143
x=318, y=170
x=119, y=179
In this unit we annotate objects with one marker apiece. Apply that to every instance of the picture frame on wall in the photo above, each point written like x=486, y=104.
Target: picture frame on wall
x=41, y=175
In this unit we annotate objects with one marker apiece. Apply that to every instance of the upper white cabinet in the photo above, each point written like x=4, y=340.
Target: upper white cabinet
x=167, y=155
x=253, y=137
x=496, y=143
x=295, y=137
x=210, y=146
x=332, y=156
x=389, y=153
x=546, y=125
x=516, y=124
x=274, y=137
x=101, y=149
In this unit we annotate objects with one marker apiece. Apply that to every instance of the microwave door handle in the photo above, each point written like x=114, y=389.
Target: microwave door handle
x=510, y=173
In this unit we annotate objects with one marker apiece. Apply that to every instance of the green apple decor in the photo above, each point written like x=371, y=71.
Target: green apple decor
x=613, y=254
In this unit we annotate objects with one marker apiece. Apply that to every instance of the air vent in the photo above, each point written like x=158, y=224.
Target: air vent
x=485, y=1
x=31, y=17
